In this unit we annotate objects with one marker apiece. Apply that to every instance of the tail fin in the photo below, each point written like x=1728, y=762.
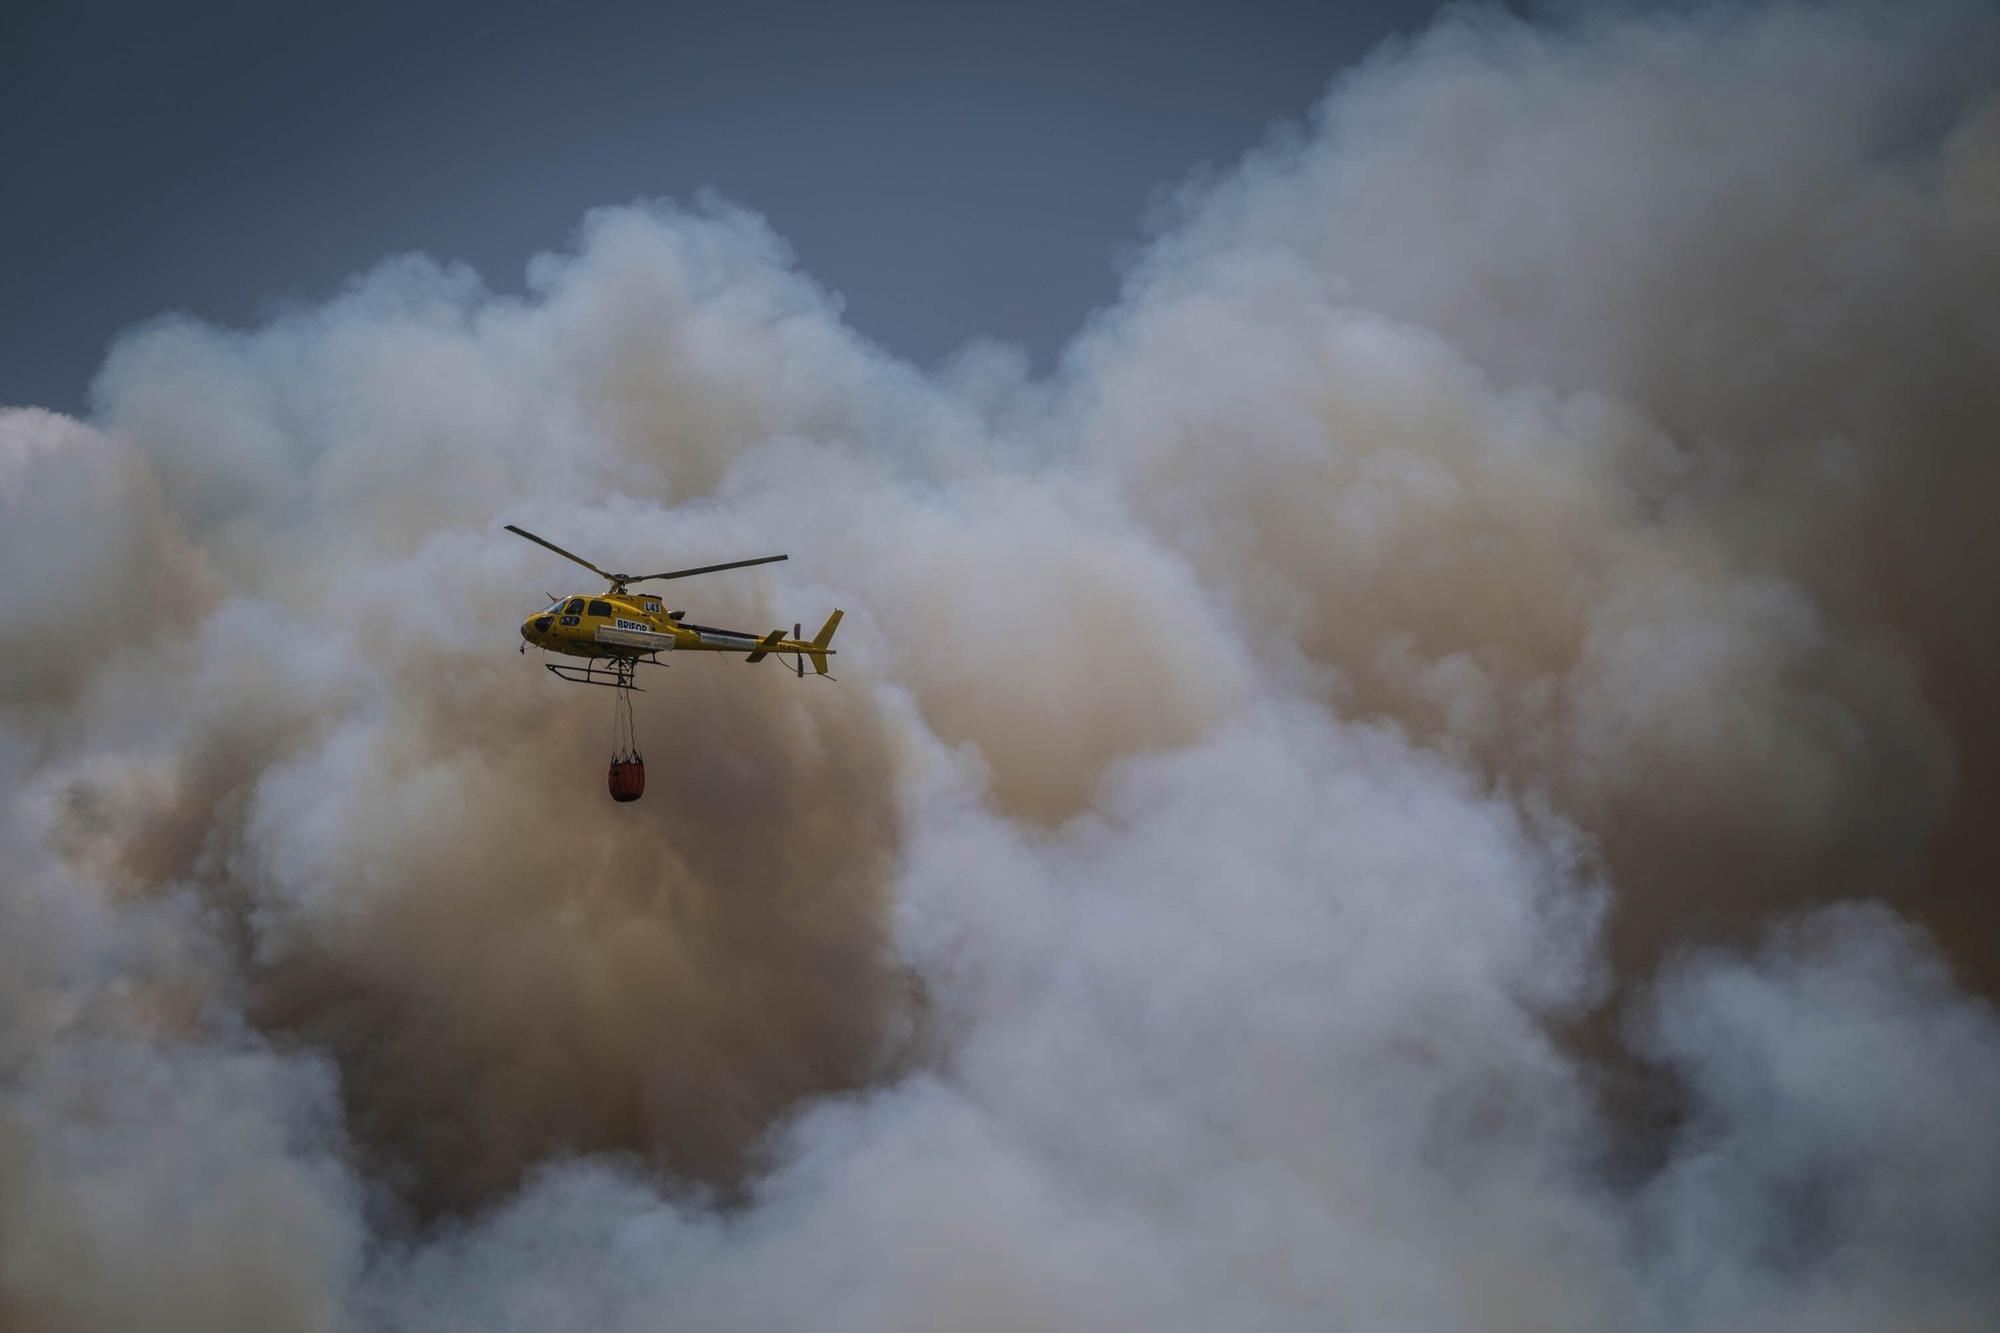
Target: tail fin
x=764, y=647
x=819, y=651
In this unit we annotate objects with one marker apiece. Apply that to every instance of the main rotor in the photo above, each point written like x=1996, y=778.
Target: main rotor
x=620, y=581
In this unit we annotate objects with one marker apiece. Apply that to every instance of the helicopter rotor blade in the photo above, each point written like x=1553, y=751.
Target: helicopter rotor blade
x=568, y=555
x=704, y=569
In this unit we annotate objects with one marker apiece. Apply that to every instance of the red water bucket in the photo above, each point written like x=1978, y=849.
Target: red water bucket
x=628, y=779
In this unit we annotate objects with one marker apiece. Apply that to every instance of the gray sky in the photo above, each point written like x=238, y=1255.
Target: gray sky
x=951, y=170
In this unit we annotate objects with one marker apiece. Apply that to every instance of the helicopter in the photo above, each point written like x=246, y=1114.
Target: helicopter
x=618, y=630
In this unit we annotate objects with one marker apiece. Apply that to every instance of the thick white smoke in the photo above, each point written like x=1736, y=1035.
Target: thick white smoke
x=1430, y=778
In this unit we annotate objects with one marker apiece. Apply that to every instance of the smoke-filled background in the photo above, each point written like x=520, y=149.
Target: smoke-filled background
x=1434, y=774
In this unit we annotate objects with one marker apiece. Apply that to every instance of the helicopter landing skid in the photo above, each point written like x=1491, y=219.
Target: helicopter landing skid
x=617, y=673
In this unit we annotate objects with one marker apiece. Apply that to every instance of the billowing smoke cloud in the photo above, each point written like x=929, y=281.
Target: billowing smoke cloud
x=1431, y=777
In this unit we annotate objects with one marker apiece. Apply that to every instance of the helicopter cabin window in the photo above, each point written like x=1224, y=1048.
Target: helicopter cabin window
x=575, y=607
x=600, y=608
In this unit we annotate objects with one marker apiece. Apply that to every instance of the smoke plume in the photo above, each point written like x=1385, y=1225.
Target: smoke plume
x=1433, y=775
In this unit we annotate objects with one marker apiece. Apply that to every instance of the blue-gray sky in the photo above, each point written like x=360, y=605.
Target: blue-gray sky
x=952, y=170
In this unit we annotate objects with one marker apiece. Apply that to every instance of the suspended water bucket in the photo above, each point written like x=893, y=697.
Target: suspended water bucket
x=628, y=779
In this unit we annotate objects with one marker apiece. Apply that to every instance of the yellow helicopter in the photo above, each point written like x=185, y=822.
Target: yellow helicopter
x=618, y=630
